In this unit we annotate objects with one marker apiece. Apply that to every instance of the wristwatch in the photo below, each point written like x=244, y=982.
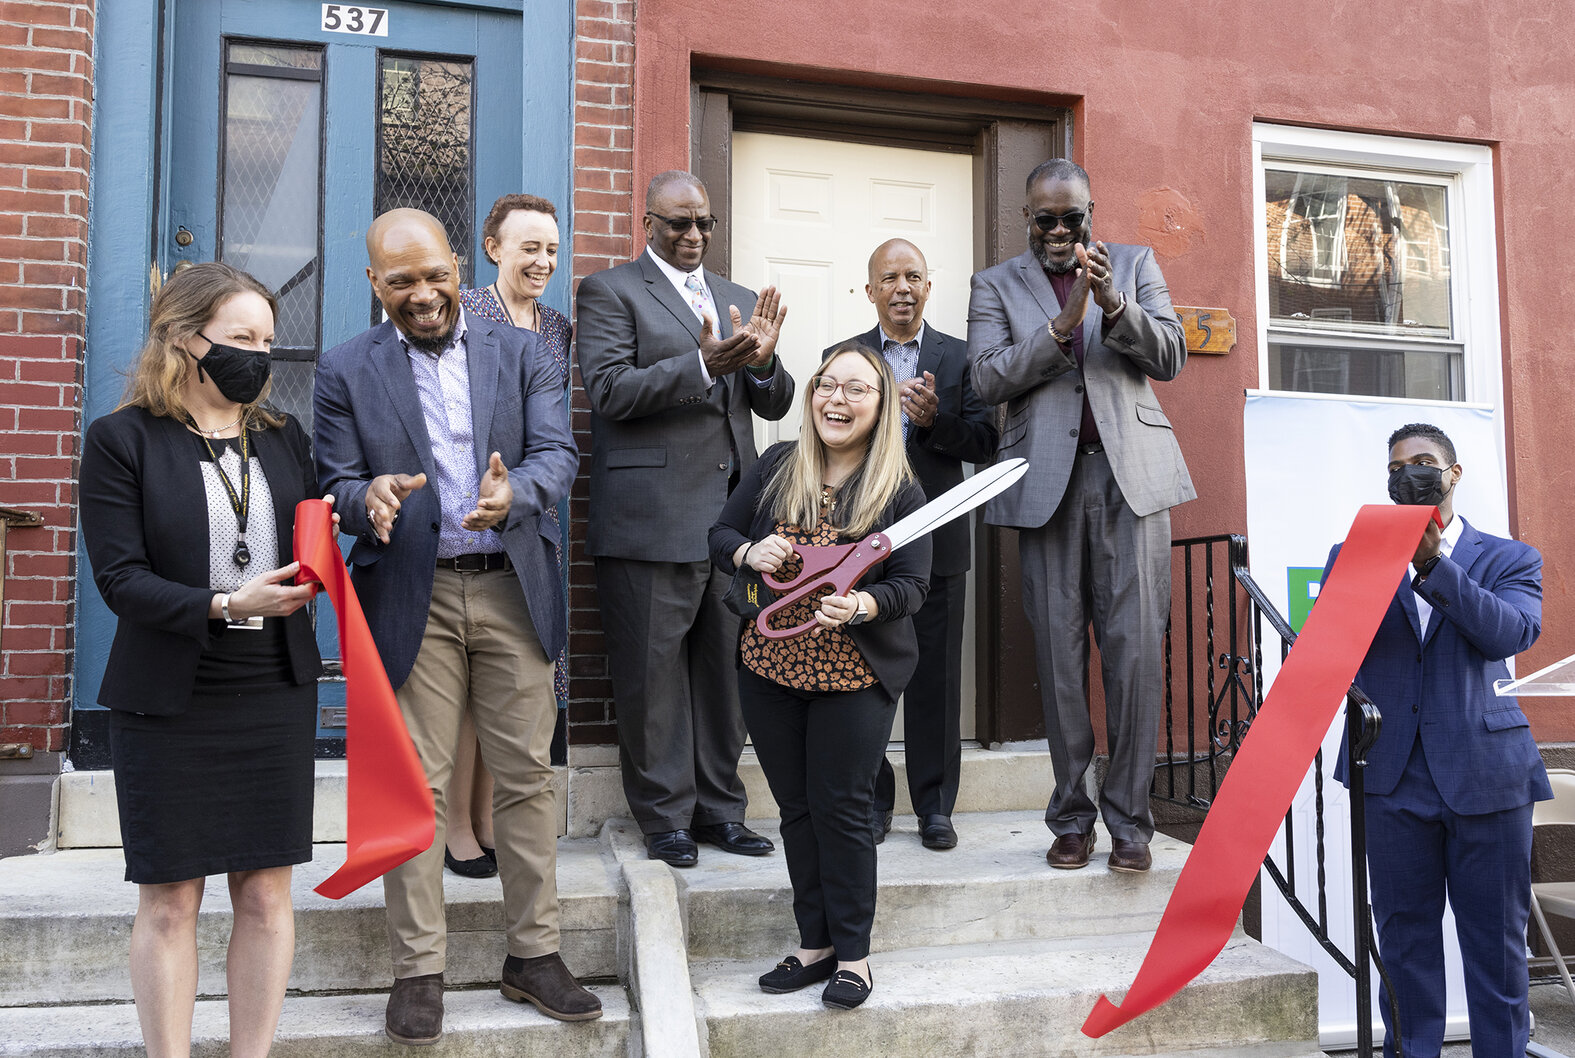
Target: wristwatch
x=1427, y=567
x=863, y=613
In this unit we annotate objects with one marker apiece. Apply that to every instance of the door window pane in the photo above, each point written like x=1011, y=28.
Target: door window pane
x=270, y=209
x=424, y=157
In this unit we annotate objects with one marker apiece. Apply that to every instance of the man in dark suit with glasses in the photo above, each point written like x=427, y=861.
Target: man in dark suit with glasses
x=674, y=373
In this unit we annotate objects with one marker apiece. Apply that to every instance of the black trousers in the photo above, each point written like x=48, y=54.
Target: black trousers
x=932, y=706
x=819, y=751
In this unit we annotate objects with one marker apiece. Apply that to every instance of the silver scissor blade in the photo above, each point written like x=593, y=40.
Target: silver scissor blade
x=960, y=499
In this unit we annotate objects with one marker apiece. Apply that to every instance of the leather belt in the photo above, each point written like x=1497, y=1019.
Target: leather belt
x=1090, y=448
x=476, y=563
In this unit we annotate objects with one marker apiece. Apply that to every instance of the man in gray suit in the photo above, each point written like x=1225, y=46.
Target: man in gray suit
x=1068, y=336
x=674, y=374
x=445, y=444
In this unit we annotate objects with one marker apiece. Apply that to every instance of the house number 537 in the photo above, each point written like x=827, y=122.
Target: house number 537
x=352, y=18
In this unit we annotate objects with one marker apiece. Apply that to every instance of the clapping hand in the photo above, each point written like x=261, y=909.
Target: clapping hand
x=723, y=356
x=765, y=323
x=385, y=496
x=496, y=496
x=919, y=400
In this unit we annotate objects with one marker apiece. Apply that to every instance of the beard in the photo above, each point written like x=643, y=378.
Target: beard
x=1036, y=246
x=432, y=346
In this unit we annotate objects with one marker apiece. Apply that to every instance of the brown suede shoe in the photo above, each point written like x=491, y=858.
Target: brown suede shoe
x=1070, y=851
x=547, y=983
x=415, y=1010
x=1130, y=856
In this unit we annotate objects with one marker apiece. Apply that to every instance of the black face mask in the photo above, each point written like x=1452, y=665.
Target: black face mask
x=1416, y=484
x=240, y=374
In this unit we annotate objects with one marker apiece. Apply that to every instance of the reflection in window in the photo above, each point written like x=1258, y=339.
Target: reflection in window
x=1360, y=292
x=270, y=210
x=424, y=157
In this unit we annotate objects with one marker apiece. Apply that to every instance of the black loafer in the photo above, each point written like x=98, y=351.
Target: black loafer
x=733, y=837
x=937, y=833
x=847, y=990
x=482, y=866
x=673, y=847
x=882, y=824
x=790, y=975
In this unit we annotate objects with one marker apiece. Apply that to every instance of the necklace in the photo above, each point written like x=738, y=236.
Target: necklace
x=535, y=310
x=828, y=497
x=216, y=431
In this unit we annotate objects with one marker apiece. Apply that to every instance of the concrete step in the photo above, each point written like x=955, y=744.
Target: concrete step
x=476, y=1024
x=590, y=792
x=995, y=885
x=65, y=926
x=1019, y=998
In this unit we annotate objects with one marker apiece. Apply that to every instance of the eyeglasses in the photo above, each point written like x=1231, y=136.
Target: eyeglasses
x=1047, y=222
x=853, y=390
x=679, y=225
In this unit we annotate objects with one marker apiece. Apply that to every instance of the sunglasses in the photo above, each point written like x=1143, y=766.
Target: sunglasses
x=1047, y=222
x=679, y=225
x=853, y=390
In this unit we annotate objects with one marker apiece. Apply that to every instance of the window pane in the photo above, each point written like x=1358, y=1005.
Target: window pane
x=270, y=208
x=276, y=55
x=1411, y=373
x=423, y=140
x=1358, y=254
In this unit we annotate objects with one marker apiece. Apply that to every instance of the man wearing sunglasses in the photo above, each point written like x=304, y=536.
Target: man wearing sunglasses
x=944, y=425
x=1068, y=337
x=674, y=373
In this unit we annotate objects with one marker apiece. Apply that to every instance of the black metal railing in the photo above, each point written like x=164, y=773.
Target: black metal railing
x=1214, y=681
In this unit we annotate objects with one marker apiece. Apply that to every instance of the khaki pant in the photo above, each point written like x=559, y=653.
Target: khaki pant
x=480, y=652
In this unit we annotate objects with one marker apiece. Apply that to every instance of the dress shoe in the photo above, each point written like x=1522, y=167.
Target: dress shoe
x=491, y=854
x=1070, y=851
x=545, y=982
x=1130, y=856
x=482, y=866
x=882, y=824
x=847, y=990
x=936, y=832
x=790, y=975
x=674, y=847
x=415, y=1010
x=733, y=837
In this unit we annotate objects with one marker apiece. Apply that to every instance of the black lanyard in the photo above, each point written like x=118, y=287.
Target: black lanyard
x=239, y=501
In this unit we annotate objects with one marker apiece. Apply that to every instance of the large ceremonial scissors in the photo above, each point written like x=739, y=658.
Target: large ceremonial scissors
x=840, y=566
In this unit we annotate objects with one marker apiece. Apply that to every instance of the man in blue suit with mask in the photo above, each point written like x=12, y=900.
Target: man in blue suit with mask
x=1452, y=778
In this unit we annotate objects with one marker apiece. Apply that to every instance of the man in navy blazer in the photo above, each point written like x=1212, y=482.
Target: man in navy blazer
x=1451, y=780
x=944, y=425
x=444, y=441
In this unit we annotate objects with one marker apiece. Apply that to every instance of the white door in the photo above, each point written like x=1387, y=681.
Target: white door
x=806, y=216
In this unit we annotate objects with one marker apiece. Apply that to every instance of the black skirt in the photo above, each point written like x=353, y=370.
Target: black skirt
x=225, y=785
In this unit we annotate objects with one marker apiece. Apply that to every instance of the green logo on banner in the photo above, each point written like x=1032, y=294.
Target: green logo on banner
x=1301, y=591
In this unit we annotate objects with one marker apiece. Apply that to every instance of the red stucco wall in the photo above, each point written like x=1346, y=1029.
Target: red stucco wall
x=1163, y=98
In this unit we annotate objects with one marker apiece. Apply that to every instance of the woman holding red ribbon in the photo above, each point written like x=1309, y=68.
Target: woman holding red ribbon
x=820, y=706
x=188, y=494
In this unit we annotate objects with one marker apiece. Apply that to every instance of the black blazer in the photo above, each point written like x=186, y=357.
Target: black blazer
x=145, y=525
x=898, y=584
x=963, y=432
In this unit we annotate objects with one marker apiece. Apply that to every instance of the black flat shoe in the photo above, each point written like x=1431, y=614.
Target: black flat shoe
x=673, y=847
x=937, y=832
x=791, y=975
x=480, y=867
x=491, y=854
x=847, y=990
x=733, y=837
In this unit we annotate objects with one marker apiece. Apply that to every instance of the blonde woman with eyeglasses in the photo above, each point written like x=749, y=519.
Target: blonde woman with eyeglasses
x=820, y=706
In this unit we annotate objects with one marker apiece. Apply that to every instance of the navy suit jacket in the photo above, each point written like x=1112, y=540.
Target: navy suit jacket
x=1487, y=607
x=963, y=432
x=368, y=421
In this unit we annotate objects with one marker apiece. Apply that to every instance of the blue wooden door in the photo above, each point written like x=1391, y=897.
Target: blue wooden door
x=294, y=122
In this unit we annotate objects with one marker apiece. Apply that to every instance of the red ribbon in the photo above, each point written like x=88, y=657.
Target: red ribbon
x=1272, y=761
x=389, y=812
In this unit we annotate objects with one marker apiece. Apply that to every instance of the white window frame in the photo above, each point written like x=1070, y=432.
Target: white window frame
x=1467, y=168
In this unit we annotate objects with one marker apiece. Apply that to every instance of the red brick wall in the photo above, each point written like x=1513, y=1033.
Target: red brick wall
x=603, y=237
x=46, y=78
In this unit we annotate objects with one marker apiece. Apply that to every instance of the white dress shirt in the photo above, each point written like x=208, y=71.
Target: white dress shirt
x=1424, y=609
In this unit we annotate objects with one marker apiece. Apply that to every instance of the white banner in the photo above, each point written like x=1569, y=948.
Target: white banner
x=1311, y=463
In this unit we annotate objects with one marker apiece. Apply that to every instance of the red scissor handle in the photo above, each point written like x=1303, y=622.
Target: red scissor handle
x=838, y=567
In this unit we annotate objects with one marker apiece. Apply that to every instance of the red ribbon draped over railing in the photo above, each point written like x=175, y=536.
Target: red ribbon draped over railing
x=1268, y=769
x=389, y=813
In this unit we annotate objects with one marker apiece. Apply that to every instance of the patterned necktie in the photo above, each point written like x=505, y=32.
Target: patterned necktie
x=699, y=300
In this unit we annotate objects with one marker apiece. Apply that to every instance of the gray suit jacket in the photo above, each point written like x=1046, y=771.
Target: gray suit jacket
x=1017, y=363
x=367, y=421
x=659, y=437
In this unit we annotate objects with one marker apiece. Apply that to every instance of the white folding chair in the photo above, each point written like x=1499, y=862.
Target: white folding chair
x=1558, y=898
